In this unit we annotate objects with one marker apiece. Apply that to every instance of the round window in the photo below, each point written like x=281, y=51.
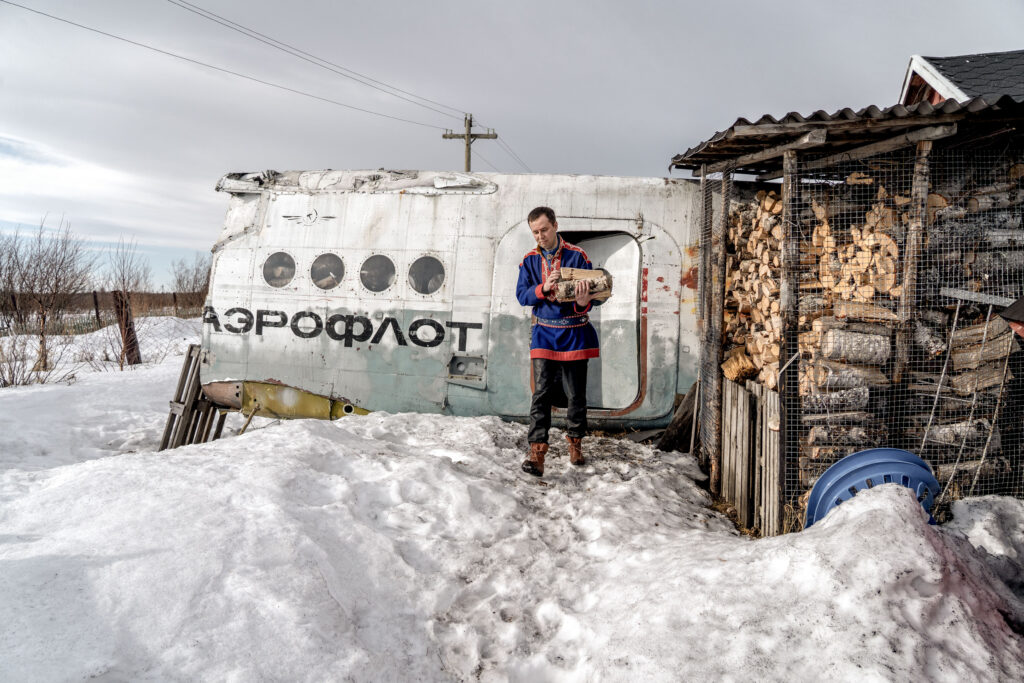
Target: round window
x=327, y=271
x=279, y=269
x=426, y=275
x=377, y=273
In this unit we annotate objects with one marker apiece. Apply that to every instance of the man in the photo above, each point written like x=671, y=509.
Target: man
x=562, y=339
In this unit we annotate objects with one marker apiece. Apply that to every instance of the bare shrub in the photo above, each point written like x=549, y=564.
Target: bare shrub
x=51, y=269
x=191, y=281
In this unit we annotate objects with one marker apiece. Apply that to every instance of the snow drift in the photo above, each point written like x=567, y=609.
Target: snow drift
x=410, y=547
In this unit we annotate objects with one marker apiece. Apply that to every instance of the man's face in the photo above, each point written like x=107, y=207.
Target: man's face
x=544, y=232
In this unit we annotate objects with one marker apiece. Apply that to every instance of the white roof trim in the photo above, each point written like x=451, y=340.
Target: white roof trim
x=933, y=77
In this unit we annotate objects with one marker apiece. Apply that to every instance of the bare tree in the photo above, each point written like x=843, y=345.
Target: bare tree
x=52, y=268
x=191, y=280
x=127, y=271
x=8, y=298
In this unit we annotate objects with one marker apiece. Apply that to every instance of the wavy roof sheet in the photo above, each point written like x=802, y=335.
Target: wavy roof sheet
x=845, y=129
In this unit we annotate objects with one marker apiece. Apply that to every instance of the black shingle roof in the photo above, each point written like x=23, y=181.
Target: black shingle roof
x=992, y=73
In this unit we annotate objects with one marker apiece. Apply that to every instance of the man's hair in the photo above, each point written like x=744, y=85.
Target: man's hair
x=541, y=211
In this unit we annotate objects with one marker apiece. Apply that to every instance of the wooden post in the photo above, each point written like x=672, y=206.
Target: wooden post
x=96, y=307
x=714, y=345
x=125, y=321
x=469, y=137
x=911, y=256
x=789, y=364
x=174, y=298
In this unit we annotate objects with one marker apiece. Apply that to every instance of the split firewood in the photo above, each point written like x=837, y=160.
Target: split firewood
x=953, y=434
x=928, y=339
x=844, y=418
x=830, y=375
x=968, y=470
x=769, y=375
x=974, y=334
x=970, y=357
x=935, y=203
x=599, y=282
x=864, y=311
x=826, y=435
x=992, y=263
x=738, y=365
x=833, y=401
x=855, y=347
x=984, y=377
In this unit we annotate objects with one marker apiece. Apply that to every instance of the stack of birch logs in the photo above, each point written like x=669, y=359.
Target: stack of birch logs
x=850, y=282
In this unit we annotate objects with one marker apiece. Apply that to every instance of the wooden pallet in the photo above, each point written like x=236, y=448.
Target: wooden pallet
x=191, y=419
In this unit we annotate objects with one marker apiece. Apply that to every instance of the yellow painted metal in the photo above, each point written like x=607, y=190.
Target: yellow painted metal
x=277, y=400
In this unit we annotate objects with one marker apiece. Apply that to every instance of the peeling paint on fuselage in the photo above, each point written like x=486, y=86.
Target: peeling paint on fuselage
x=315, y=339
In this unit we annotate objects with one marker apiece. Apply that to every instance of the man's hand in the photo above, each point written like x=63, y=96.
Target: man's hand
x=583, y=295
x=549, y=284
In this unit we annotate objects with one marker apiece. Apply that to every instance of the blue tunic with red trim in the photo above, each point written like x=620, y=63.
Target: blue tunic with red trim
x=562, y=331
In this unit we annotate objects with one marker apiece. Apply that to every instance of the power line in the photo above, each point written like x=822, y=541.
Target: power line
x=508, y=148
x=313, y=59
x=331, y=66
x=481, y=158
x=222, y=69
x=511, y=152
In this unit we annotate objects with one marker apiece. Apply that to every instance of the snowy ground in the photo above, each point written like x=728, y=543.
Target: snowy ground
x=409, y=547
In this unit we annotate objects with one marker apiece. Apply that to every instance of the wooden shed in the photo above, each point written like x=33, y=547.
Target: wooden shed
x=855, y=305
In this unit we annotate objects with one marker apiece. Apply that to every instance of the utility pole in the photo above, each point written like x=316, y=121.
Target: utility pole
x=470, y=137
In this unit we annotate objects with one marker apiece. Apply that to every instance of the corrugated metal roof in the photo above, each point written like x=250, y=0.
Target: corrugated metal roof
x=845, y=128
x=984, y=74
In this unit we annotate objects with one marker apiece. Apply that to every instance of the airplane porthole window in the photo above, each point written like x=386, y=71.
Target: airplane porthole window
x=377, y=273
x=426, y=275
x=279, y=269
x=327, y=271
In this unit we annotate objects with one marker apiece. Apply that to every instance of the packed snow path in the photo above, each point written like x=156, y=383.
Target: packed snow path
x=411, y=547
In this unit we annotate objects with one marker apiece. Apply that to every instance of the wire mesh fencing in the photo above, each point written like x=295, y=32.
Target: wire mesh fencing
x=898, y=267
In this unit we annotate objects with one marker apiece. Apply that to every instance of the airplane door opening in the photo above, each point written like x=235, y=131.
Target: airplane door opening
x=613, y=379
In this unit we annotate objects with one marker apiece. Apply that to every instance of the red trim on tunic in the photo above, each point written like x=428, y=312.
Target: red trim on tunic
x=565, y=355
x=528, y=255
x=573, y=247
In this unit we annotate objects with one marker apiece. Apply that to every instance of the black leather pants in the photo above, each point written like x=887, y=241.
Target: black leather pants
x=554, y=380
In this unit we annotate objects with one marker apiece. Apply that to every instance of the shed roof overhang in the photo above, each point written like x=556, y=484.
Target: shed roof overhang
x=757, y=148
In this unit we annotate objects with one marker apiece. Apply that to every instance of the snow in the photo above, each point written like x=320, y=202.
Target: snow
x=411, y=547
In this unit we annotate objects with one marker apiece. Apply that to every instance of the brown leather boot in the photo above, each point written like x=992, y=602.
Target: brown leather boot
x=534, y=464
x=576, y=451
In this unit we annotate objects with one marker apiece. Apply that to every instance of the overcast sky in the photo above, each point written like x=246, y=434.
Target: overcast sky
x=123, y=141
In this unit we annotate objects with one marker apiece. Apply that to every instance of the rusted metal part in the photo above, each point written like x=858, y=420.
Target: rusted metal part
x=226, y=394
